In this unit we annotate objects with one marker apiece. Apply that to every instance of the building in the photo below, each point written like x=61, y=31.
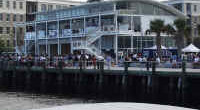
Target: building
x=113, y=27
x=20, y=11
x=10, y=11
x=190, y=8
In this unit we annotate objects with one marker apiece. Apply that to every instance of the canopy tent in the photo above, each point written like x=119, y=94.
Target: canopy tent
x=155, y=47
x=191, y=49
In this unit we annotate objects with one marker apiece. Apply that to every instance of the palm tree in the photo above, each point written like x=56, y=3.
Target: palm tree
x=182, y=32
x=157, y=26
x=94, y=1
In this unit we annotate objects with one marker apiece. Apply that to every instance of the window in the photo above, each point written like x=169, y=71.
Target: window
x=195, y=8
x=8, y=17
x=58, y=7
x=8, y=43
x=21, y=18
x=14, y=17
x=21, y=5
x=7, y=30
x=44, y=7
x=8, y=4
x=14, y=4
x=50, y=7
x=1, y=3
x=188, y=8
x=1, y=17
x=1, y=30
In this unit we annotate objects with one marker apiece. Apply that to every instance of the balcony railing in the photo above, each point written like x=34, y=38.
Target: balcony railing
x=30, y=36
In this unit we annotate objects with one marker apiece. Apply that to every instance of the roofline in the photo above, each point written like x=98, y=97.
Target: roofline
x=169, y=8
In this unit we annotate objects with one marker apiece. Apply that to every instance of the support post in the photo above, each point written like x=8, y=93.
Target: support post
x=46, y=37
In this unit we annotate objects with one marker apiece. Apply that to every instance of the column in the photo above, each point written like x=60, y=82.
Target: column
x=131, y=43
x=46, y=38
x=25, y=48
x=116, y=39
x=58, y=37
x=49, y=50
x=35, y=39
x=16, y=39
x=71, y=41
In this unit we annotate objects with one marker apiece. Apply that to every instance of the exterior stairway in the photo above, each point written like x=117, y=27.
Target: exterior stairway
x=88, y=43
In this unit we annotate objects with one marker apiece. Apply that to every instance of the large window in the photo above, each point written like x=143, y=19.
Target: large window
x=14, y=4
x=50, y=7
x=7, y=30
x=195, y=8
x=43, y=7
x=14, y=17
x=8, y=4
x=1, y=17
x=1, y=3
x=21, y=18
x=21, y=5
x=8, y=17
x=1, y=30
x=137, y=24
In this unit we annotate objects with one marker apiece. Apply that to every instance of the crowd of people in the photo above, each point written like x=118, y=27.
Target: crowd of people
x=84, y=60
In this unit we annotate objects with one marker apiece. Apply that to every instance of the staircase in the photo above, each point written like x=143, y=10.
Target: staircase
x=88, y=43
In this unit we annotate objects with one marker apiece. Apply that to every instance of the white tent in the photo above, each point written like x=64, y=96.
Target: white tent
x=155, y=47
x=191, y=48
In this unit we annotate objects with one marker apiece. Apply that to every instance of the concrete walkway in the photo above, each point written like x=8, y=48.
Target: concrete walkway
x=115, y=106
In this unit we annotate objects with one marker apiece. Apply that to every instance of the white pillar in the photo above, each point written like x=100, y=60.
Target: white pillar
x=71, y=40
x=46, y=37
x=25, y=48
x=35, y=38
x=116, y=39
x=131, y=43
x=58, y=37
x=16, y=39
x=49, y=50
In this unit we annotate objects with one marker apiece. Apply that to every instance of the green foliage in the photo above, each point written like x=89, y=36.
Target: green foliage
x=2, y=46
x=196, y=42
x=157, y=26
x=169, y=29
x=180, y=24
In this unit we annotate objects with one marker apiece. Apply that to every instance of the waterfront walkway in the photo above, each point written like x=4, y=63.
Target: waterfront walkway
x=115, y=106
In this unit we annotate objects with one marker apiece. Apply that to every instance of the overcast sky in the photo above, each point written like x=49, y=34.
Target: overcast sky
x=86, y=0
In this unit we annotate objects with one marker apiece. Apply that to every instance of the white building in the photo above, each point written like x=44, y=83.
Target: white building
x=98, y=28
x=190, y=8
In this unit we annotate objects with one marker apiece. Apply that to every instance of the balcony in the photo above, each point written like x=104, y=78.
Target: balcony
x=30, y=36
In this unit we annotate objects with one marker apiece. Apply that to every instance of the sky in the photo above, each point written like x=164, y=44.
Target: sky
x=86, y=0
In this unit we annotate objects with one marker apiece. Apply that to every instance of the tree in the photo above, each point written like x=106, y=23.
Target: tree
x=89, y=1
x=2, y=46
x=157, y=26
x=182, y=32
x=196, y=41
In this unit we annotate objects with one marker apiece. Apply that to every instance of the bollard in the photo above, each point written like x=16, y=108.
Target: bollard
x=101, y=66
x=147, y=65
x=183, y=67
x=153, y=67
x=126, y=65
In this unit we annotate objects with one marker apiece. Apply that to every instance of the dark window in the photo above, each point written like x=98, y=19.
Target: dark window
x=7, y=30
x=50, y=7
x=44, y=7
x=8, y=4
x=1, y=30
x=14, y=17
x=21, y=18
x=1, y=17
x=1, y=3
x=8, y=17
x=195, y=8
x=14, y=4
x=21, y=5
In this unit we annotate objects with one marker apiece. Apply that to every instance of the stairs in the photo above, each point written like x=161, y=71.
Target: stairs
x=88, y=43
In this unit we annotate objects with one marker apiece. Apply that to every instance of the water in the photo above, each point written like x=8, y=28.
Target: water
x=26, y=101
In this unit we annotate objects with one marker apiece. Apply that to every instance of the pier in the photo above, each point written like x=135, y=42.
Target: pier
x=180, y=87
